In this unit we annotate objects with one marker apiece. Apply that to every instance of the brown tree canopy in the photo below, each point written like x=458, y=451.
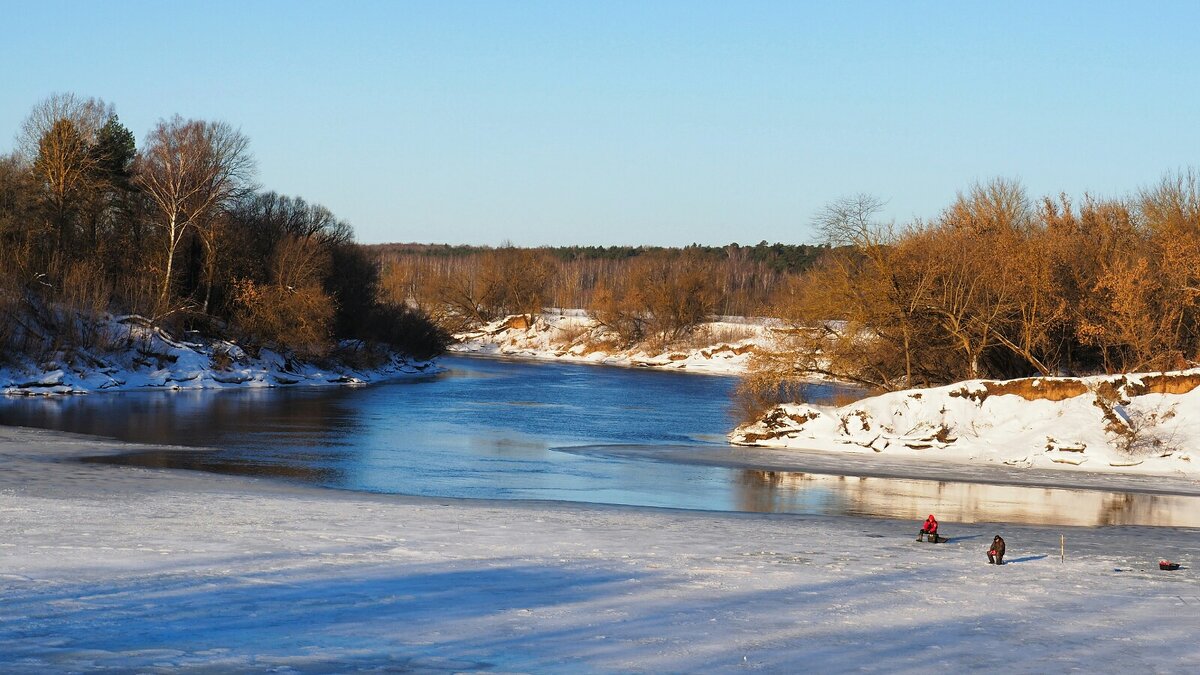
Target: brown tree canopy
x=999, y=286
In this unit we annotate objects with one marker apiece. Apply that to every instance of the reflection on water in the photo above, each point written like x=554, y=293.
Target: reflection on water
x=787, y=491
x=486, y=429
x=306, y=469
x=301, y=418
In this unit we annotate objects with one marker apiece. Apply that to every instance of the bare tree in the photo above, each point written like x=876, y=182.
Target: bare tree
x=57, y=139
x=88, y=115
x=518, y=280
x=661, y=298
x=999, y=205
x=850, y=221
x=191, y=170
x=894, y=290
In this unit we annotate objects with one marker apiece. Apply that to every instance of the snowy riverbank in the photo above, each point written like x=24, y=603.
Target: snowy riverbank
x=1140, y=424
x=718, y=348
x=160, y=571
x=141, y=356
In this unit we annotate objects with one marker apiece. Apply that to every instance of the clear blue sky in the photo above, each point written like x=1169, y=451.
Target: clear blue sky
x=636, y=123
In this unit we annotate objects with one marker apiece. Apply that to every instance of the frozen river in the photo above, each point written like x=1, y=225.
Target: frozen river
x=494, y=429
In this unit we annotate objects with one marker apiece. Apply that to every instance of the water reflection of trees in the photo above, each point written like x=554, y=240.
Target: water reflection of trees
x=213, y=461
x=785, y=491
x=189, y=417
x=308, y=430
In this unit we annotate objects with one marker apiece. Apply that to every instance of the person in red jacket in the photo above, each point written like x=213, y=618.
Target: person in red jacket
x=930, y=528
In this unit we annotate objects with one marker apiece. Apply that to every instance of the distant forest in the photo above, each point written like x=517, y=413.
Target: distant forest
x=641, y=290
x=778, y=257
x=178, y=231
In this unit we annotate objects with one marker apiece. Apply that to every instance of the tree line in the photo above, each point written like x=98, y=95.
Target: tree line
x=779, y=257
x=178, y=231
x=639, y=292
x=999, y=285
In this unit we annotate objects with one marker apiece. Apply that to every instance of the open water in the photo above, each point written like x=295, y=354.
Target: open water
x=488, y=428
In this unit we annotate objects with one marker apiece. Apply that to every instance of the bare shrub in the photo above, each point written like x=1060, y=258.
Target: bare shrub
x=295, y=319
x=516, y=281
x=87, y=291
x=710, y=334
x=602, y=342
x=770, y=380
x=728, y=332
x=568, y=333
x=611, y=310
x=660, y=301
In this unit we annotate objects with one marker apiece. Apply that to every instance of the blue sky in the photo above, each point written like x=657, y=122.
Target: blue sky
x=636, y=123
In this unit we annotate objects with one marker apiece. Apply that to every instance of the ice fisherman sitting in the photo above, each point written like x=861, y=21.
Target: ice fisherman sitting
x=930, y=528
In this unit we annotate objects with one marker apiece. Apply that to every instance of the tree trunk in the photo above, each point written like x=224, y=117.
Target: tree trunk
x=172, y=241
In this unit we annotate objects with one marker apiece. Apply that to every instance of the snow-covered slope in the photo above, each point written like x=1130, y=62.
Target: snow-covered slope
x=142, y=356
x=1146, y=423
x=720, y=347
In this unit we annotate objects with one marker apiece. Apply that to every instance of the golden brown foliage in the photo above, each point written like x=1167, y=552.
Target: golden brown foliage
x=661, y=300
x=997, y=288
x=464, y=286
x=297, y=319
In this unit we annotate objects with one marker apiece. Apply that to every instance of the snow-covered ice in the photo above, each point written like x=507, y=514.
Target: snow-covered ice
x=107, y=567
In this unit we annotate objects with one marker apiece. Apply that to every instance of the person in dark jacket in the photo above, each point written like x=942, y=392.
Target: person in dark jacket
x=996, y=552
x=930, y=528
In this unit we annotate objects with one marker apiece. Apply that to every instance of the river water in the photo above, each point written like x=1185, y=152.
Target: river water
x=488, y=428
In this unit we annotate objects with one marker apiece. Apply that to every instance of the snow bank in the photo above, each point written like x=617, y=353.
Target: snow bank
x=720, y=347
x=142, y=356
x=1143, y=423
